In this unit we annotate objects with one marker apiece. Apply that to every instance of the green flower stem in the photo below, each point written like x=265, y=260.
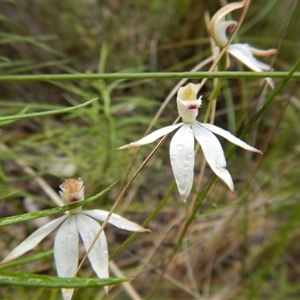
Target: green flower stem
x=145, y=224
x=191, y=217
x=38, y=280
x=195, y=213
x=213, y=97
x=152, y=75
x=217, y=87
x=27, y=259
x=46, y=113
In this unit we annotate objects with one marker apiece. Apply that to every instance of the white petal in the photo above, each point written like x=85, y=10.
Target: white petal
x=260, y=52
x=66, y=251
x=230, y=137
x=182, y=159
x=30, y=242
x=67, y=293
x=98, y=256
x=115, y=220
x=152, y=136
x=213, y=153
x=243, y=53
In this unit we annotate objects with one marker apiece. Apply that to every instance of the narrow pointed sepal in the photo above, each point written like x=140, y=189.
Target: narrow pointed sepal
x=152, y=136
x=244, y=53
x=66, y=252
x=67, y=293
x=213, y=153
x=183, y=159
x=115, y=220
x=230, y=137
x=98, y=256
x=31, y=241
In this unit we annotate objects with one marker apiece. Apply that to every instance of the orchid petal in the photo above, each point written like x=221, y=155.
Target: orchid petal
x=260, y=52
x=98, y=256
x=31, y=241
x=115, y=220
x=152, y=136
x=230, y=137
x=213, y=153
x=244, y=54
x=66, y=251
x=182, y=159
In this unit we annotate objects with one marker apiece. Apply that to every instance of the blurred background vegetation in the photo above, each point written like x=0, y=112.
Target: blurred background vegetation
x=243, y=245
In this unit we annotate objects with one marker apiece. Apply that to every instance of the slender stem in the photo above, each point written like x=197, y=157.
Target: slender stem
x=152, y=75
x=46, y=113
x=212, y=98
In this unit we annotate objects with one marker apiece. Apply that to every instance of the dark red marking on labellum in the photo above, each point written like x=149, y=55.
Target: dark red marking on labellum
x=73, y=199
x=192, y=106
x=230, y=27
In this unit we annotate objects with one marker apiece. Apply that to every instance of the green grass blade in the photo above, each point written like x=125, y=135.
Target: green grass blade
x=47, y=113
x=34, y=280
x=147, y=75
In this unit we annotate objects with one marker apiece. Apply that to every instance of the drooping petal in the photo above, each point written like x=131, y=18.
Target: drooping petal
x=260, y=52
x=115, y=220
x=213, y=153
x=230, y=137
x=31, y=241
x=98, y=256
x=244, y=53
x=66, y=251
x=152, y=136
x=182, y=159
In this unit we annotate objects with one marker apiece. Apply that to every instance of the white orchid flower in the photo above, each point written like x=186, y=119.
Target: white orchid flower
x=218, y=29
x=74, y=223
x=182, y=143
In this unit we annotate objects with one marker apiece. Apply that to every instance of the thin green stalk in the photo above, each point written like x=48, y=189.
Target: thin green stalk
x=38, y=280
x=145, y=75
x=217, y=87
x=46, y=113
x=212, y=98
